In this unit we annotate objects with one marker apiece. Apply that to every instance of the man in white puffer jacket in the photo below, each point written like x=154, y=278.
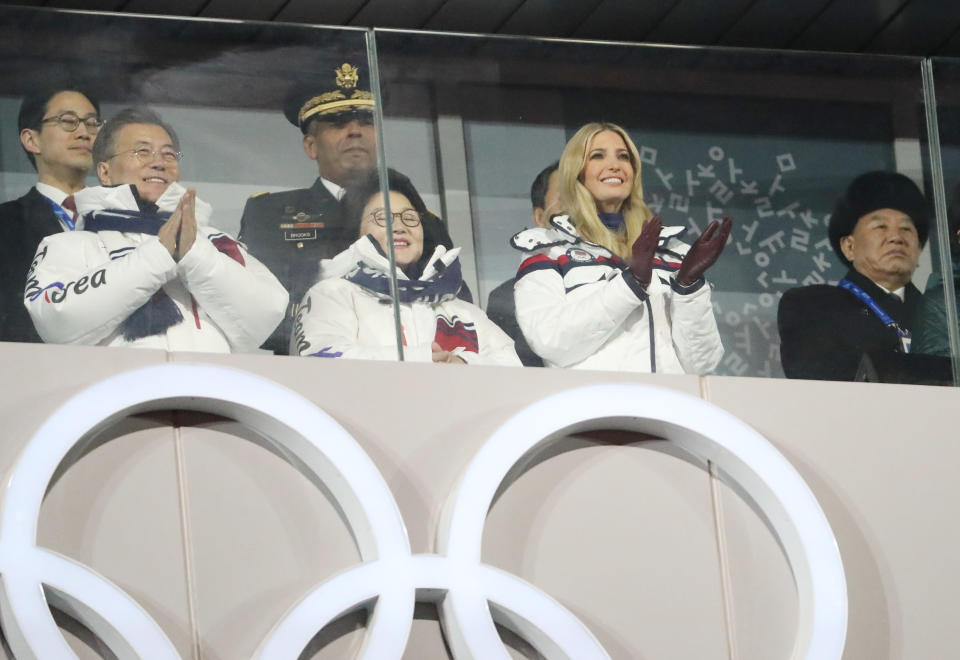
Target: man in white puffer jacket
x=144, y=268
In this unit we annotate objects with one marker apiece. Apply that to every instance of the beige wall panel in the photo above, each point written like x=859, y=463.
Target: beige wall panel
x=422, y=419
x=261, y=536
x=764, y=597
x=882, y=461
x=116, y=510
x=623, y=536
x=422, y=424
x=39, y=378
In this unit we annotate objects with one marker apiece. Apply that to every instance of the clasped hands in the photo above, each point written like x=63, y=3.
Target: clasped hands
x=701, y=255
x=180, y=230
x=440, y=355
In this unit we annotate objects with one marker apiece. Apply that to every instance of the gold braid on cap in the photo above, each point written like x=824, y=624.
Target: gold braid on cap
x=348, y=77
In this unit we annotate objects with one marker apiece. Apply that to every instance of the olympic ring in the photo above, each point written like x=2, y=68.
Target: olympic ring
x=390, y=579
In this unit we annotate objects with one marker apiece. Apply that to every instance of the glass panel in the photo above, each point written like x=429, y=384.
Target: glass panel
x=938, y=327
x=771, y=140
x=222, y=87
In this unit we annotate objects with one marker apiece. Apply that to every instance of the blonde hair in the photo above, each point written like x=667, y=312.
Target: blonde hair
x=579, y=204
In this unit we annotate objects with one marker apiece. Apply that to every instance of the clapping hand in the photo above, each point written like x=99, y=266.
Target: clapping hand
x=704, y=252
x=641, y=259
x=180, y=230
x=440, y=355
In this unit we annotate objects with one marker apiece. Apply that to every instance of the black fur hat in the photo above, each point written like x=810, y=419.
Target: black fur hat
x=872, y=191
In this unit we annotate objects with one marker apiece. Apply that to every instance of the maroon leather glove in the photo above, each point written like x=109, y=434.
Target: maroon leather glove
x=704, y=252
x=641, y=261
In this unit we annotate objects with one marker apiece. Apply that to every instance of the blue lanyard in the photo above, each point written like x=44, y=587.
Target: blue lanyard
x=885, y=318
x=61, y=212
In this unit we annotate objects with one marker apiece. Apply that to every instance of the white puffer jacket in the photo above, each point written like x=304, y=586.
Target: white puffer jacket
x=83, y=286
x=578, y=307
x=349, y=313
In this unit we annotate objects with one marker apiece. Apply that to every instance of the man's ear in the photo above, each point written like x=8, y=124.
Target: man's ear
x=310, y=146
x=538, y=218
x=30, y=140
x=103, y=173
x=846, y=246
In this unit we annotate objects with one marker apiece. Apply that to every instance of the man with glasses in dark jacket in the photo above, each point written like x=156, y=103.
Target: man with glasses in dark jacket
x=57, y=125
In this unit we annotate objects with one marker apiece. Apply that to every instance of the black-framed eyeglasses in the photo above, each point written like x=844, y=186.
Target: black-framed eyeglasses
x=70, y=121
x=408, y=217
x=145, y=156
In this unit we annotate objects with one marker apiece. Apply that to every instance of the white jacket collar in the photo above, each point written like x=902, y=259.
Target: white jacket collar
x=366, y=251
x=121, y=198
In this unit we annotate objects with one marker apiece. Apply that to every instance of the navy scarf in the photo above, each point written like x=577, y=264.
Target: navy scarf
x=444, y=286
x=612, y=221
x=159, y=313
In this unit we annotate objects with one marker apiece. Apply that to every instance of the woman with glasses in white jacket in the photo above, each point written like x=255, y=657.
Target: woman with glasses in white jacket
x=349, y=312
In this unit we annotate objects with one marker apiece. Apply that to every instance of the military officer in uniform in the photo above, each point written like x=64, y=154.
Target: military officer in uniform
x=292, y=231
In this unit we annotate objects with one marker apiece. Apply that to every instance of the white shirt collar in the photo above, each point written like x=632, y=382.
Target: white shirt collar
x=335, y=190
x=51, y=192
x=899, y=293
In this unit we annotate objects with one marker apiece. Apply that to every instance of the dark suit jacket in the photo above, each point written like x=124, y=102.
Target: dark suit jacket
x=24, y=222
x=502, y=310
x=825, y=330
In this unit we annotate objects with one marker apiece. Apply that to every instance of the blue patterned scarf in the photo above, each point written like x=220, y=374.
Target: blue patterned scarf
x=159, y=313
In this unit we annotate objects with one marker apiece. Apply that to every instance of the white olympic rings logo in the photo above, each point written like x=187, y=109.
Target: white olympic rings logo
x=389, y=574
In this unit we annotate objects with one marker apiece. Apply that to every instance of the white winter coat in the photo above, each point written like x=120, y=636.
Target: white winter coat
x=577, y=309
x=83, y=285
x=342, y=316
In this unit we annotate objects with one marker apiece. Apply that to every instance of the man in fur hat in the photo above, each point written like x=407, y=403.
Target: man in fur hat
x=878, y=228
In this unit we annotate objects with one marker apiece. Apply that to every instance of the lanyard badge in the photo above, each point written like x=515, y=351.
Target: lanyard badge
x=65, y=217
x=885, y=318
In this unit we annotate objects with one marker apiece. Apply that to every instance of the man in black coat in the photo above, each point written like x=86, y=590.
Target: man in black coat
x=57, y=125
x=878, y=228
x=501, y=307
x=291, y=231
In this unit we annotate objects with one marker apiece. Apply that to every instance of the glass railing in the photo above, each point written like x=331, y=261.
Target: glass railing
x=771, y=140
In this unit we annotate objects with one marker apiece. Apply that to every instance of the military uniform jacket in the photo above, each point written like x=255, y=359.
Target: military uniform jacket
x=290, y=232
x=24, y=222
x=825, y=330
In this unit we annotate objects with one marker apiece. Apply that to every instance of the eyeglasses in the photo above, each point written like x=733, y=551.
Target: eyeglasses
x=408, y=217
x=146, y=156
x=69, y=121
